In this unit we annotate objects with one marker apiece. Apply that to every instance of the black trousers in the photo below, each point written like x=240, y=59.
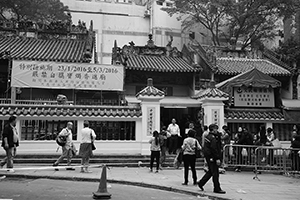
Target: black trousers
x=173, y=144
x=156, y=155
x=213, y=171
x=189, y=160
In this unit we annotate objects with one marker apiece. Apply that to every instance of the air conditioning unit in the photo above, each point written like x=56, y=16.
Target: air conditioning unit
x=147, y=13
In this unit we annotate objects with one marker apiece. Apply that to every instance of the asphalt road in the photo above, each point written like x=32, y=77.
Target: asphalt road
x=46, y=189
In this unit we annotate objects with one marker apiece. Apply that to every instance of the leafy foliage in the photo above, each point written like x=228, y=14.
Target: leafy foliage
x=248, y=21
x=43, y=11
x=290, y=51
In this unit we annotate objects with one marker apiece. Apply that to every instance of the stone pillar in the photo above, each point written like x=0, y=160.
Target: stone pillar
x=79, y=128
x=213, y=112
x=150, y=103
x=213, y=106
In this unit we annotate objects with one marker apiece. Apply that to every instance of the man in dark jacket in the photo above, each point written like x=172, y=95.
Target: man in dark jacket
x=10, y=142
x=212, y=154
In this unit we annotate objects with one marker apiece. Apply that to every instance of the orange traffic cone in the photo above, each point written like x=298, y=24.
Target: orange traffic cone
x=102, y=190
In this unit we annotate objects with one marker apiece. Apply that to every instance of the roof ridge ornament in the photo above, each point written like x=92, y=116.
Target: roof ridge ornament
x=150, y=42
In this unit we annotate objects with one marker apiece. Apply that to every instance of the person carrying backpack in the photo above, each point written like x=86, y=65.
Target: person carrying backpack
x=68, y=148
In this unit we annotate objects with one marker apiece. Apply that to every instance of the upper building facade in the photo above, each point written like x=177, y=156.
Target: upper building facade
x=123, y=20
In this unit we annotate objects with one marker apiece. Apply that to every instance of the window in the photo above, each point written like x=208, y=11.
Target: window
x=109, y=130
x=44, y=129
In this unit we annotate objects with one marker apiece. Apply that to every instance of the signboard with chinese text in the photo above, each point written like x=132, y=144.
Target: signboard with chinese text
x=150, y=120
x=84, y=76
x=254, y=97
x=216, y=116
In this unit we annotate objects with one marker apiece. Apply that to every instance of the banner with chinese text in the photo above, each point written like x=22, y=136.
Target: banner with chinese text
x=254, y=97
x=84, y=76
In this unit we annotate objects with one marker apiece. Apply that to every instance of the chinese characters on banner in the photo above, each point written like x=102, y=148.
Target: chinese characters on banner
x=216, y=116
x=258, y=97
x=150, y=120
x=36, y=74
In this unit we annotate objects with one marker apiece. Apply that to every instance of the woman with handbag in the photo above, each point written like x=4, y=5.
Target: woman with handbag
x=86, y=147
x=189, y=148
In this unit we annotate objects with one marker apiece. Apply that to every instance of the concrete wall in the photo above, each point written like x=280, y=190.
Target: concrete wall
x=112, y=21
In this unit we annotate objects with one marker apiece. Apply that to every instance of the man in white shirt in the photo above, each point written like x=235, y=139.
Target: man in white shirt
x=174, y=130
x=67, y=149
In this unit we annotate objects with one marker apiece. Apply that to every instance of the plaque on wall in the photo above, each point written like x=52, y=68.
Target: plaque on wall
x=150, y=120
x=216, y=116
x=254, y=97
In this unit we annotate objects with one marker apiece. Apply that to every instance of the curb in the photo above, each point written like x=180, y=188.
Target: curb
x=146, y=185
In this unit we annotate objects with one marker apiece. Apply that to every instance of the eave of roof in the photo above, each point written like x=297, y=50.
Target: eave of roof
x=234, y=66
x=210, y=93
x=158, y=63
x=254, y=114
x=70, y=111
x=58, y=50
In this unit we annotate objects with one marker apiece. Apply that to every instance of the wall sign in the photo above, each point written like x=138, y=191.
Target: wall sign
x=216, y=116
x=254, y=97
x=150, y=120
x=83, y=76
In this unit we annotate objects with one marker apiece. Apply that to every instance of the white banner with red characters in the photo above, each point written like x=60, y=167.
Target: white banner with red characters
x=84, y=76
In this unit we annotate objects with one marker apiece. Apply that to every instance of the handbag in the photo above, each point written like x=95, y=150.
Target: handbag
x=244, y=152
x=197, y=152
x=92, y=142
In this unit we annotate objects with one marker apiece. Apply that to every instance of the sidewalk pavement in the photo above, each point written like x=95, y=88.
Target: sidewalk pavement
x=238, y=185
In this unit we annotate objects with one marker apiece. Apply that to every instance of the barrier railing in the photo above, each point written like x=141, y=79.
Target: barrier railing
x=270, y=159
x=263, y=159
x=292, y=161
x=239, y=156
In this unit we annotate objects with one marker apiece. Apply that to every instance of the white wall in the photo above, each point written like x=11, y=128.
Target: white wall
x=112, y=21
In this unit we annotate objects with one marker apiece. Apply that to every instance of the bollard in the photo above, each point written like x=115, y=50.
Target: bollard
x=102, y=190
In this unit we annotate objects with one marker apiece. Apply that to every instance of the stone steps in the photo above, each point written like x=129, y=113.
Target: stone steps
x=110, y=160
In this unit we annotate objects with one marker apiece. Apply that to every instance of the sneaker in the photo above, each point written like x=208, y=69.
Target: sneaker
x=200, y=186
x=184, y=183
x=220, y=191
x=156, y=171
x=10, y=170
x=150, y=170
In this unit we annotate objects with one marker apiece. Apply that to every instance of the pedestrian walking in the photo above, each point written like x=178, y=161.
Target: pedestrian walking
x=174, y=130
x=85, y=151
x=212, y=154
x=68, y=149
x=10, y=142
x=155, y=151
x=189, y=146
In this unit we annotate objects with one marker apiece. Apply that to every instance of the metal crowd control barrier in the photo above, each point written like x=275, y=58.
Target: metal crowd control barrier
x=270, y=159
x=263, y=159
x=292, y=161
x=239, y=156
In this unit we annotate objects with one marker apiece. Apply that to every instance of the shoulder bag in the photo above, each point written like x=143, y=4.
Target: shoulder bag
x=92, y=142
x=197, y=152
